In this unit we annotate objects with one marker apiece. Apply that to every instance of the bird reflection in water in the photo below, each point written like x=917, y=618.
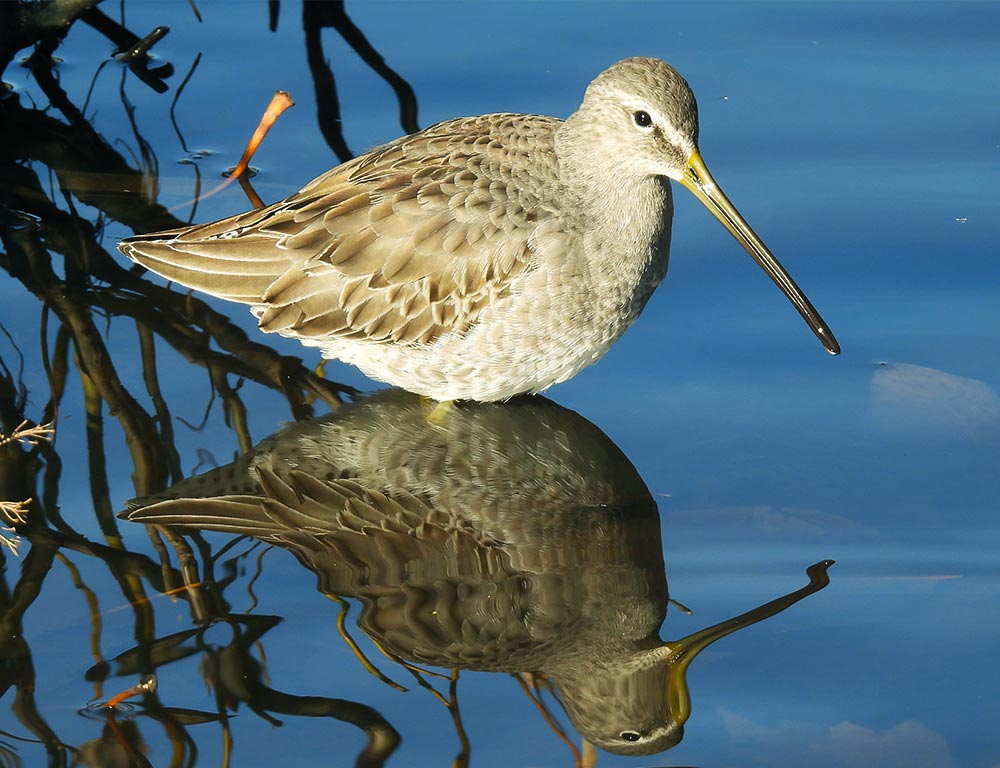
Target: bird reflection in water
x=510, y=537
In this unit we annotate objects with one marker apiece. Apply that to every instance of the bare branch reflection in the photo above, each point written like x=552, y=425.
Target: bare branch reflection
x=318, y=15
x=61, y=181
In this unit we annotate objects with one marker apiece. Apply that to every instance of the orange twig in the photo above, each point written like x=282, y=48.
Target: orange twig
x=250, y=192
x=279, y=103
x=146, y=685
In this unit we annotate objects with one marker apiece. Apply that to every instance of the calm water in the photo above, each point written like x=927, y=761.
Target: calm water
x=859, y=139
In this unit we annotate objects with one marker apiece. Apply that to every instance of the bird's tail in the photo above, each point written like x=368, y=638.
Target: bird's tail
x=219, y=258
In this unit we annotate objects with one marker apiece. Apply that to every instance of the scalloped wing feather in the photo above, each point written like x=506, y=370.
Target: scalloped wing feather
x=403, y=244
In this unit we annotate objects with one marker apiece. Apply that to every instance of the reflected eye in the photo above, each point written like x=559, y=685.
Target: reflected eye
x=630, y=735
x=643, y=120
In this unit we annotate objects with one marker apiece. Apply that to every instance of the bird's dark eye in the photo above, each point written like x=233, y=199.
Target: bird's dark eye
x=643, y=120
x=631, y=735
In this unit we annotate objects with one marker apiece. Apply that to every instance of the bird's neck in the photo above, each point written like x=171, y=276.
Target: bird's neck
x=629, y=212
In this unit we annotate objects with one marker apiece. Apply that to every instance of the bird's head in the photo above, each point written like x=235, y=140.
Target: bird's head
x=639, y=121
x=628, y=709
x=636, y=702
x=644, y=112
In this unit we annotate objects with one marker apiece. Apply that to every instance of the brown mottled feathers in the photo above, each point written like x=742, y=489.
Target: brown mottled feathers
x=340, y=519
x=403, y=244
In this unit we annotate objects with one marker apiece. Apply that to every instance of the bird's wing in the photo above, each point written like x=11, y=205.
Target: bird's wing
x=336, y=523
x=403, y=244
x=292, y=505
x=435, y=588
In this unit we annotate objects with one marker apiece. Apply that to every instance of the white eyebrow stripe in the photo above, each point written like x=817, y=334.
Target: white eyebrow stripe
x=672, y=134
x=675, y=136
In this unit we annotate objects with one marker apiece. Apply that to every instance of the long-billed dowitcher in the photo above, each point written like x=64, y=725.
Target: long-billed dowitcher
x=484, y=256
x=511, y=538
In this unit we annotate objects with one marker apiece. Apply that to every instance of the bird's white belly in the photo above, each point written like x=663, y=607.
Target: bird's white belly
x=545, y=332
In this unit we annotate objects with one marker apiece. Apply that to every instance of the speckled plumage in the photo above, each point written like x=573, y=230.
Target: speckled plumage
x=480, y=258
x=509, y=538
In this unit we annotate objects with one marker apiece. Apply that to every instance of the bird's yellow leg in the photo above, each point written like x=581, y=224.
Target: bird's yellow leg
x=438, y=410
x=320, y=372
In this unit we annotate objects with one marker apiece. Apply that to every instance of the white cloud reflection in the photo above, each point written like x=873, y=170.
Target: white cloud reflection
x=909, y=744
x=906, y=397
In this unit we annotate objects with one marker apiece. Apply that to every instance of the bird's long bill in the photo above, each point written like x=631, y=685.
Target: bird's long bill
x=680, y=653
x=702, y=185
